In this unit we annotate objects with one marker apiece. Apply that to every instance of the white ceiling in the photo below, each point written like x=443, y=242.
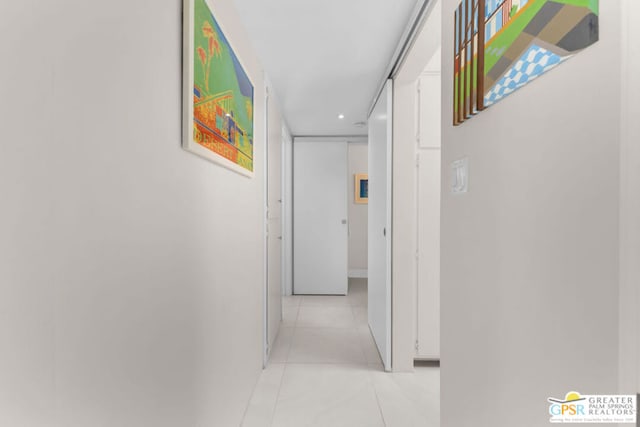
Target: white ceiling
x=325, y=57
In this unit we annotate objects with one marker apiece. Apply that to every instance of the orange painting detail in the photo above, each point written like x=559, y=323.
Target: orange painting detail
x=222, y=105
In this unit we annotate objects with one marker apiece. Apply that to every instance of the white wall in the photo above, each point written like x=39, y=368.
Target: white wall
x=405, y=229
x=130, y=270
x=530, y=253
x=358, y=228
x=630, y=203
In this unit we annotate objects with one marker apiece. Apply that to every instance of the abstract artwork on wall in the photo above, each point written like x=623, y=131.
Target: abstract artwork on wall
x=501, y=45
x=218, y=95
x=362, y=188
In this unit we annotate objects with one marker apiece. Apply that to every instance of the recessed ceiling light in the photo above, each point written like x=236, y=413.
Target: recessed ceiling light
x=341, y=116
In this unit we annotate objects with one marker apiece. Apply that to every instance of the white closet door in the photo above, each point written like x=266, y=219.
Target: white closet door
x=320, y=230
x=379, y=271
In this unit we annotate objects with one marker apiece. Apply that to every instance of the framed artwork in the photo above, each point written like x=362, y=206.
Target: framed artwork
x=362, y=188
x=501, y=45
x=218, y=94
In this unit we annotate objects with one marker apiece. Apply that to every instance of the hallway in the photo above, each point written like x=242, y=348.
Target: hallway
x=325, y=371
x=147, y=222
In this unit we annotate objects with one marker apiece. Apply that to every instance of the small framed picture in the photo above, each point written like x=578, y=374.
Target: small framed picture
x=362, y=188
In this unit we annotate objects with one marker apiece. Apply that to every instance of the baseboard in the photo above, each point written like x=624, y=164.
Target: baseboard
x=358, y=274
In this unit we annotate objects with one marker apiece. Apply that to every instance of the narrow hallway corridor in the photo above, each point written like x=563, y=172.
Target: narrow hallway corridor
x=325, y=371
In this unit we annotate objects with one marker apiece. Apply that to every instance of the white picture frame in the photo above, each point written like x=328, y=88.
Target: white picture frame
x=233, y=138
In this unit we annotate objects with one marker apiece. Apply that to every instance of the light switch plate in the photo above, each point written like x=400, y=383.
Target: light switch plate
x=460, y=176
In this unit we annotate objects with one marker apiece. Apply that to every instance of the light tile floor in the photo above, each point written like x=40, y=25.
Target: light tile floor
x=325, y=371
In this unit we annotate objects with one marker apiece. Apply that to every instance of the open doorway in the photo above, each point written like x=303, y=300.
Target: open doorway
x=325, y=316
x=416, y=197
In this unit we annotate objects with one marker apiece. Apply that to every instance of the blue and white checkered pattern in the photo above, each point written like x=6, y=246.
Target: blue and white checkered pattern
x=533, y=63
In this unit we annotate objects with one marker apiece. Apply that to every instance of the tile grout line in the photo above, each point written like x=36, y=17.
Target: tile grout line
x=293, y=334
x=359, y=338
x=355, y=329
x=286, y=363
x=246, y=409
x=375, y=393
x=369, y=365
x=275, y=405
x=284, y=368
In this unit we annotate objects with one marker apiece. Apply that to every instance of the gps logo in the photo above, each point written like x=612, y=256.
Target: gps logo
x=569, y=406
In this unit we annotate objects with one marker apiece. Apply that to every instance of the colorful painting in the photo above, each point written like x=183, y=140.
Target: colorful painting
x=501, y=45
x=218, y=94
x=362, y=188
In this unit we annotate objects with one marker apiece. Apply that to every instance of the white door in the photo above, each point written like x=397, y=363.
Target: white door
x=380, y=139
x=274, y=222
x=320, y=230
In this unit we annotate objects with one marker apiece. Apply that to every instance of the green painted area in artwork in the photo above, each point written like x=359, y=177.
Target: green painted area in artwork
x=511, y=32
x=455, y=92
x=593, y=5
x=216, y=72
x=471, y=83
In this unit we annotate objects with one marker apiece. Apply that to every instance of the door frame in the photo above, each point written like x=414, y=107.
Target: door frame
x=265, y=232
x=629, y=228
x=389, y=93
x=270, y=206
x=290, y=257
x=287, y=212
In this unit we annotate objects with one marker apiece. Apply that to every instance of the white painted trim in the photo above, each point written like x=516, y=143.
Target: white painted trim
x=283, y=215
x=417, y=126
x=629, y=226
x=348, y=139
x=390, y=88
x=358, y=273
x=287, y=212
x=265, y=229
x=421, y=12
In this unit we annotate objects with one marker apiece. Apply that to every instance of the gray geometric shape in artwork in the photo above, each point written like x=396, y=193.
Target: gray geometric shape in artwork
x=500, y=67
x=582, y=35
x=542, y=18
